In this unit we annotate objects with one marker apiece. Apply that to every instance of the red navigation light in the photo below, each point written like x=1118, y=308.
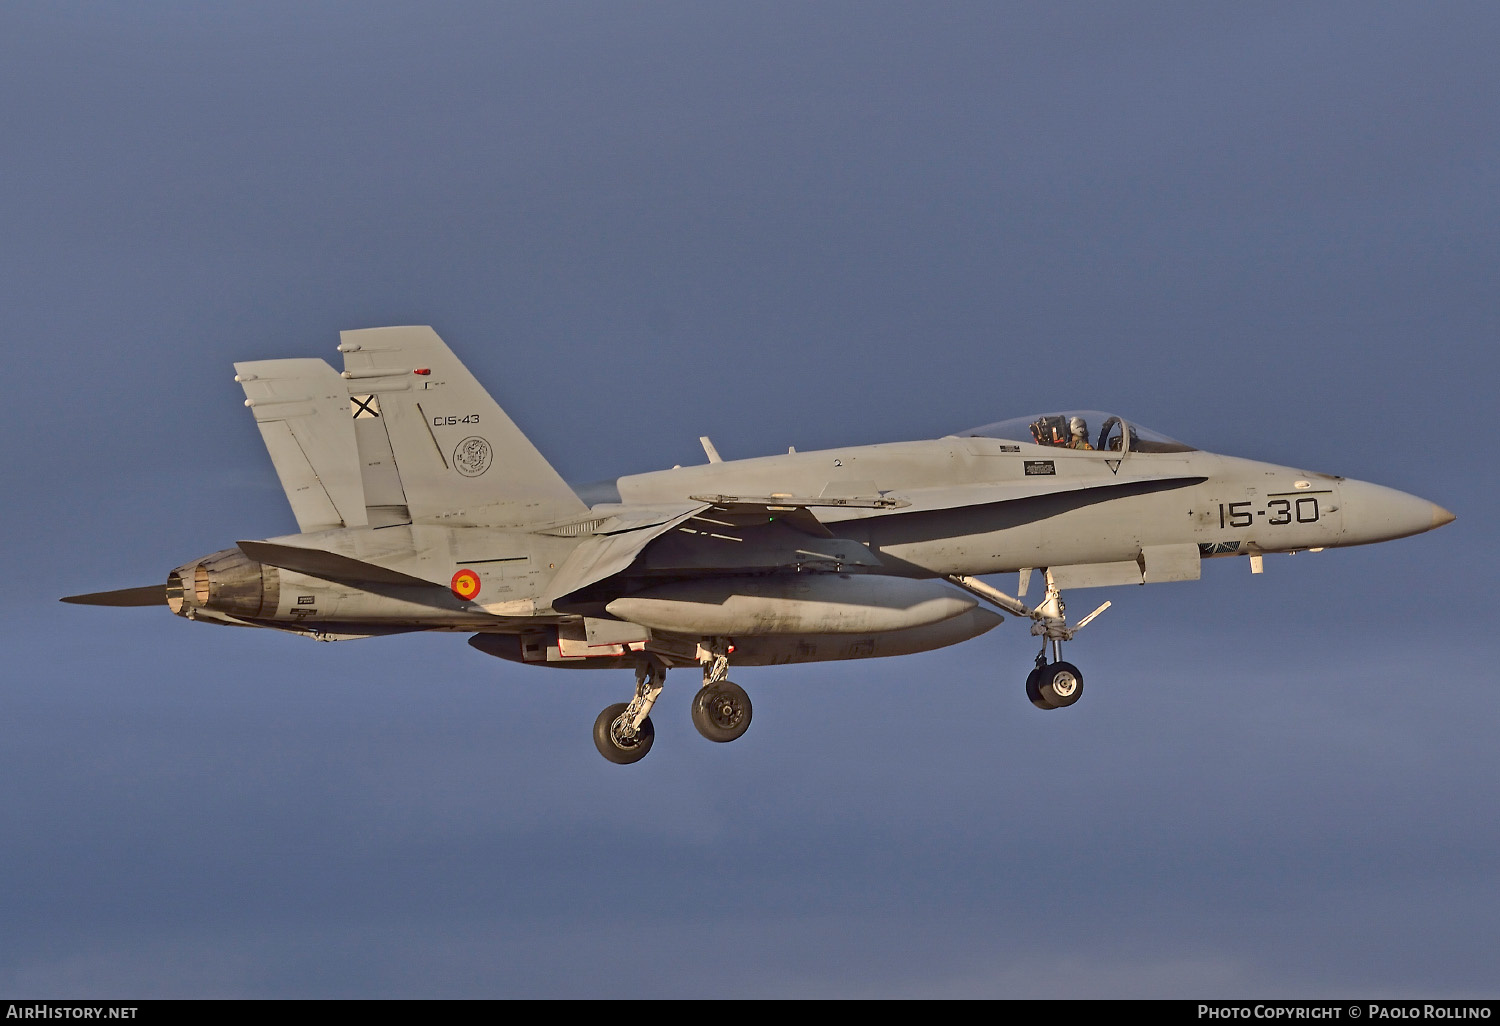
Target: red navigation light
x=422, y=370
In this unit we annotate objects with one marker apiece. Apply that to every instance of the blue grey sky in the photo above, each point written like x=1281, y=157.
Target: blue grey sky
x=1269, y=230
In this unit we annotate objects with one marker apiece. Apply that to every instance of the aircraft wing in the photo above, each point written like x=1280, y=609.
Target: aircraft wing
x=622, y=518
x=750, y=533
x=798, y=511
x=926, y=500
x=605, y=554
x=742, y=511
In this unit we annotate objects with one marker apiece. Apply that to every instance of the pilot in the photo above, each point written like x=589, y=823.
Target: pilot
x=1079, y=431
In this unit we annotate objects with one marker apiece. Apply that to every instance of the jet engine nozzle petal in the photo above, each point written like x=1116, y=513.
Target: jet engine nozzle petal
x=227, y=582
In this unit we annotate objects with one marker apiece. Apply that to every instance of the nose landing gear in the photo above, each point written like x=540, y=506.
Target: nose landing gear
x=1052, y=685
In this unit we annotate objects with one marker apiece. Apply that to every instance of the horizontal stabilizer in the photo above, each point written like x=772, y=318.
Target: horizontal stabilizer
x=151, y=595
x=321, y=563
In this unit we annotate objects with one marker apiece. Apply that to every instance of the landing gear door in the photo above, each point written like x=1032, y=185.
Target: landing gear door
x=1161, y=563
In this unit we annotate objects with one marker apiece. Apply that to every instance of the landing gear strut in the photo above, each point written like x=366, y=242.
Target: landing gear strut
x=1055, y=684
x=721, y=709
x=623, y=733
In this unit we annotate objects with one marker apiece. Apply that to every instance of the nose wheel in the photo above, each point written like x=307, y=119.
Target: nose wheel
x=1054, y=685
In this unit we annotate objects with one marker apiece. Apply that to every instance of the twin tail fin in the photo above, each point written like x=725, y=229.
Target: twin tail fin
x=404, y=435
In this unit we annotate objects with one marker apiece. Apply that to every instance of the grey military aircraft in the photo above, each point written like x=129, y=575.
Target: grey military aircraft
x=423, y=507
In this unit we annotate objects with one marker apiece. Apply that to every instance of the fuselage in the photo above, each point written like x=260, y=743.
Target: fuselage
x=1090, y=506
x=816, y=578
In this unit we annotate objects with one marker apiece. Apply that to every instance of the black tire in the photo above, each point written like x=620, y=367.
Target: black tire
x=1033, y=691
x=721, y=711
x=614, y=748
x=1060, y=685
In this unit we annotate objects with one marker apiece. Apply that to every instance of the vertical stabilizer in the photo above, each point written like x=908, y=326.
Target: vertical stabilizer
x=459, y=457
x=385, y=497
x=302, y=410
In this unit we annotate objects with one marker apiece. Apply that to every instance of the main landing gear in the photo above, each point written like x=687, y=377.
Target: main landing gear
x=721, y=709
x=623, y=733
x=1053, y=684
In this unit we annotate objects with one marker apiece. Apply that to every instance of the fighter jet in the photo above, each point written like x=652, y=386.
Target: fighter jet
x=423, y=507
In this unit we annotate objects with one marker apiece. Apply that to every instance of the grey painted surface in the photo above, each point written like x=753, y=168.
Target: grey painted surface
x=1267, y=232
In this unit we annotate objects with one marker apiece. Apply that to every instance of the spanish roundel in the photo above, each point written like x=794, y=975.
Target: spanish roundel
x=465, y=584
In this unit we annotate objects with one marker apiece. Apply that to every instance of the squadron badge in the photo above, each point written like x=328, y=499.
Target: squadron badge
x=472, y=457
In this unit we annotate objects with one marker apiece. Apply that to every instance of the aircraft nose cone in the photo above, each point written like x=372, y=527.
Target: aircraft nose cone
x=1375, y=513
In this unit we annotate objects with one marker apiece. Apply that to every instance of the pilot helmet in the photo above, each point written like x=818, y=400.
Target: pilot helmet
x=1078, y=427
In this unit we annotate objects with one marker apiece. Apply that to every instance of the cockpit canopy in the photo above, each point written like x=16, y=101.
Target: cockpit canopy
x=1115, y=434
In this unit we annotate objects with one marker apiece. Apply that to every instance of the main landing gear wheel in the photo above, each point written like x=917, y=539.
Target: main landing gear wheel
x=721, y=711
x=613, y=744
x=1055, y=685
x=1033, y=690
